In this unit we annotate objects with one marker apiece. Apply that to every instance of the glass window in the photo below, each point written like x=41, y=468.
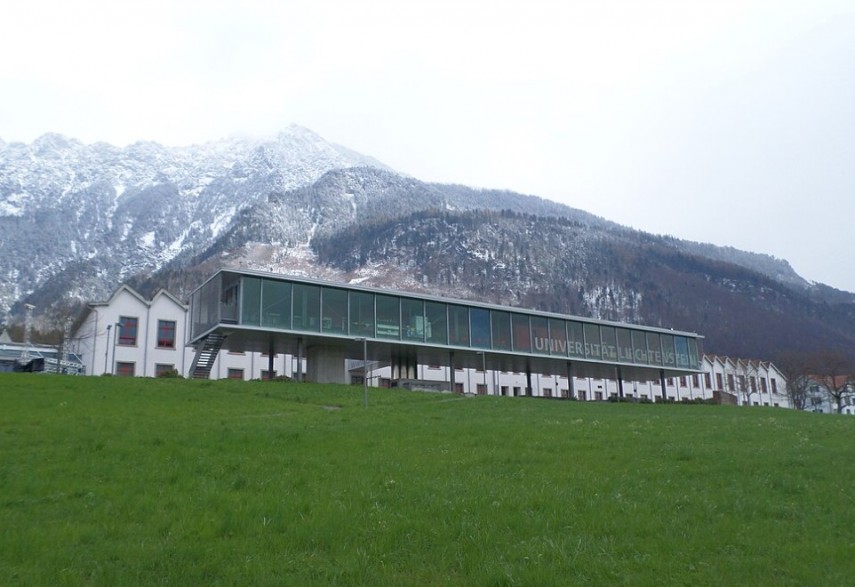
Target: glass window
x=161, y=368
x=275, y=304
x=235, y=374
x=557, y=337
x=307, y=307
x=436, y=328
x=694, y=362
x=229, y=298
x=166, y=334
x=206, y=307
x=413, y=319
x=251, y=301
x=639, y=346
x=334, y=310
x=125, y=369
x=540, y=334
x=681, y=346
x=458, y=325
x=480, y=320
x=654, y=349
x=624, y=345
x=576, y=340
x=592, y=341
x=501, y=328
x=128, y=330
x=608, y=350
x=521, y=332
x=388, y=317
x=669, y=357
x=361, y=314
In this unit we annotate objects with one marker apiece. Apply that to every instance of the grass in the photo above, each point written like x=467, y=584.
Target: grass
x=113, y=481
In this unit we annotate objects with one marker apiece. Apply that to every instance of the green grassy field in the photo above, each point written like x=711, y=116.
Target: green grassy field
x=112, y=481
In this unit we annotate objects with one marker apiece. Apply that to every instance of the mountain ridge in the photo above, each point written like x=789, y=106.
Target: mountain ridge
x=156, y=216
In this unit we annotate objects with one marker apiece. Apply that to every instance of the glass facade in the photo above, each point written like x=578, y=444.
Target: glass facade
x=306, y=309
x=436, y=323
x=458, y=325
x=361, y=314
x=500, y=323
x=413, y=319
x=334, y=310
x=480, y=321
x=275, y=304
x=250, y=300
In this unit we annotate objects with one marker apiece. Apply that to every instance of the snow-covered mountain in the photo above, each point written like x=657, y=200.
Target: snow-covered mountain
x=108, y=213
x=78, y=220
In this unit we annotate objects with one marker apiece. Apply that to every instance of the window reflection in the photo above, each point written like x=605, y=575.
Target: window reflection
x=251, y=301
x=522, y=332
x=458, y=325
x=307, y=307
x=413, y=318
x=361, y=313
x=388, y=317
x=501, y=327
x=436, y=327
x=480, y=320
x=275, y=304
x=334, y=311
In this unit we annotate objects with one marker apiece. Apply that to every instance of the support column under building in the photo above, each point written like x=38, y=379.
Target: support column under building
x=528, y=387
x=619, y=382
x=299, y=359
x=403, y=367
x=271, y=349
x=571, y=384
x=662, y=384
x=451, y=372
x=327, y=364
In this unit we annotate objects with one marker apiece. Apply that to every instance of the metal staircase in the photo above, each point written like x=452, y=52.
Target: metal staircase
x=203, y=362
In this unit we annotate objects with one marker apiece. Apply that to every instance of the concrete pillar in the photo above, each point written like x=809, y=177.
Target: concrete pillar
x=451, y=371
x=327, y=364
x=571, y=385
x=299, y=359
x=528, y=386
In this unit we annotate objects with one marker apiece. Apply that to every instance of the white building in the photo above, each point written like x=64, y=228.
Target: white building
x=820, y=400
x=724, y=380
x=129, y=335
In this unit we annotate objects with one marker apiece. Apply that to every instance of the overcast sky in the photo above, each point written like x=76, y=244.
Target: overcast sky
x=731, y=122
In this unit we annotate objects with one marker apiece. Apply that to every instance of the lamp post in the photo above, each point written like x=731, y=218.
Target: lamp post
x=115, y=342
x=364, y=370
x=107, y=347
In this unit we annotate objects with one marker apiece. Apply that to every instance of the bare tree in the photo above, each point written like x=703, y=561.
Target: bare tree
x=58, y=322
x=833, y=371
x=795, y=366
x=747, y=373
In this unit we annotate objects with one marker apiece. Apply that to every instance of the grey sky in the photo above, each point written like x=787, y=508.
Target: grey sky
x=729, y=122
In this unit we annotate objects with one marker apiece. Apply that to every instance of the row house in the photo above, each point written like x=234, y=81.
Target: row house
x=724, y=380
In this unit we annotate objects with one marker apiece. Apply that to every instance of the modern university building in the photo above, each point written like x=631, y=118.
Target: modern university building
x=325, y=324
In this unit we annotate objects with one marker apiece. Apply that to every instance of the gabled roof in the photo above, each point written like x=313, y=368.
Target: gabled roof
x=131, y=291
x=122, y=288
x=166, y=294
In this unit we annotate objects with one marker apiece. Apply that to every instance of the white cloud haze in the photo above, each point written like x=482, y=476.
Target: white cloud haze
x=729, y=122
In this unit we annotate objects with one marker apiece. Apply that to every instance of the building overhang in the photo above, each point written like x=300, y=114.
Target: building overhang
x=242, y=306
